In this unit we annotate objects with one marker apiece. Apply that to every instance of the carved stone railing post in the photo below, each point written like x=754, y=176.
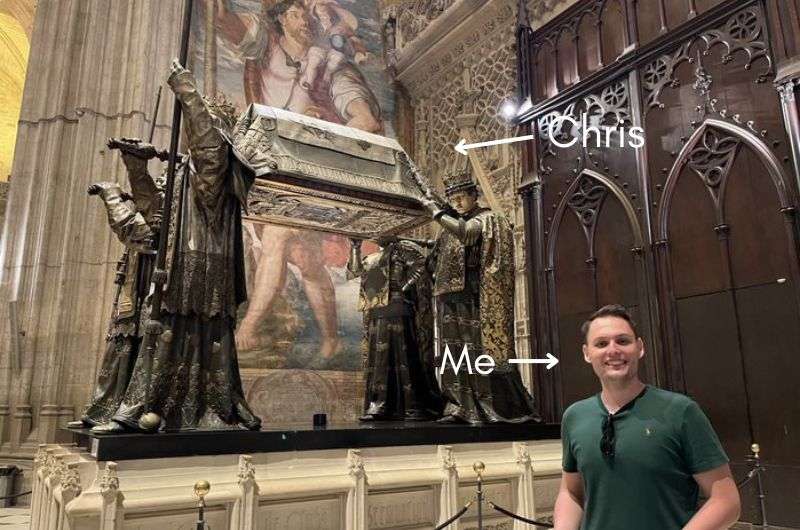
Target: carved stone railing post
x=46, y=491
x=243, y=516
x=526, y=503
x=69, y=489
x=448, y=502
x=111, y=514
x=36, y=480
x=356, y=518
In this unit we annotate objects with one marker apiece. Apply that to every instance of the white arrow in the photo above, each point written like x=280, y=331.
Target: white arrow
x=551, y=361
x=462, y=145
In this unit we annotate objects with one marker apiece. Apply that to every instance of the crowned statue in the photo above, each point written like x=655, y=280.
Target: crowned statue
x=473, y=267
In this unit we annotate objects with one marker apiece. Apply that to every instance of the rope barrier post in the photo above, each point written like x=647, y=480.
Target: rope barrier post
x=762, y=497
x=479, y=468
x=201, y=489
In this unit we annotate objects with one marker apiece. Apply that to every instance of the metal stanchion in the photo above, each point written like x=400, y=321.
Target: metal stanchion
x=479, y=468
x=755, y=459
x=201, y=489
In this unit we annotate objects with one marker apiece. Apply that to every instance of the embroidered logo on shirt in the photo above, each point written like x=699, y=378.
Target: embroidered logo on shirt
x=648, y=431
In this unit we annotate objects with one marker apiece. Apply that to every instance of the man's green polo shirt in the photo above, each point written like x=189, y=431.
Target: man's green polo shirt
x=662, y=439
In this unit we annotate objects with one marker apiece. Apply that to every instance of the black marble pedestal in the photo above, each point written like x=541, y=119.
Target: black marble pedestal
x=275, y=438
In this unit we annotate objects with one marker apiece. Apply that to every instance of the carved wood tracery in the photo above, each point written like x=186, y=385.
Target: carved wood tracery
x=693, y=74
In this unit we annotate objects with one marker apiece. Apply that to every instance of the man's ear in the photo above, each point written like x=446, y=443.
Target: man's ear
x=586, y=354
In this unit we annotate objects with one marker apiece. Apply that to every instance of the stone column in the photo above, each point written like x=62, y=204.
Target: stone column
x=94, y=71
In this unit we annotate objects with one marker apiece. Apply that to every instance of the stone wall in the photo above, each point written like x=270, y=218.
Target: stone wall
x=95, y=71
x=3, y=200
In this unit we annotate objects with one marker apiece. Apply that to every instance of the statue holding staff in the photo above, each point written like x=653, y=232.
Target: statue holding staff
x=473, y=266
x=189, y=376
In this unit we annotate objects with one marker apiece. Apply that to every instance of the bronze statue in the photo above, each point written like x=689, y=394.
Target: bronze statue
x=395, y=299
x=135, y=226
x=192, y=380
x=473, y=264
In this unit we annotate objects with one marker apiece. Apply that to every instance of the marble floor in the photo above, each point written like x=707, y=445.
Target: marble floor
x=15, y=518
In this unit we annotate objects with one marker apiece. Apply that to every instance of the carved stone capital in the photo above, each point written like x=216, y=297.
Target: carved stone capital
x=447, y=457
x=71, y=480
x=355, y=463
x=522, y=453
x=109, y=481
x=247, y=471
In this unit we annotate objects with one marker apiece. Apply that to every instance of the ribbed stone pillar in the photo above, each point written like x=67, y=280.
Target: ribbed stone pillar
x=95, y=67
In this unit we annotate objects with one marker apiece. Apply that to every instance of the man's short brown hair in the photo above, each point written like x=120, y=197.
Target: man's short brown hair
x=611, y=310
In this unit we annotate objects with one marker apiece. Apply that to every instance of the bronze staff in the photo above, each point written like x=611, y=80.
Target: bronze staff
x=154, y=328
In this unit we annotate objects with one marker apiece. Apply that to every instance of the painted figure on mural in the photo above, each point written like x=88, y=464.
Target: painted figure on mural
x=473, y=265
x=395, y=298
x=194, y=381
x=298, y=56
x=135, y=218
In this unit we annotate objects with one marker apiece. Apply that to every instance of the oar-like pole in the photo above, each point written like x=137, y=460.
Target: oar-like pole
x=159, y=278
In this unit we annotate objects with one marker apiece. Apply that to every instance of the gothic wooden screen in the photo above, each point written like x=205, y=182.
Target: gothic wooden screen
x=697, y=231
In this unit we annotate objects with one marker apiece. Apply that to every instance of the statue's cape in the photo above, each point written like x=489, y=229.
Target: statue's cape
x=497, y=287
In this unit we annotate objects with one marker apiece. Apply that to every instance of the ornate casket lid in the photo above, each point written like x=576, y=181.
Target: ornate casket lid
x=323, y=176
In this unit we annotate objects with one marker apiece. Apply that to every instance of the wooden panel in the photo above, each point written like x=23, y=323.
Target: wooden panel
x=771, y=345
x=575, y=302
x=694, y=248
x=578, y=380
x=648, y=19
x=616, y=269
x=759, y=249
x=548, y=69
x=677, y=12
x=587, y=45
x=705, y=5
x=613, y=31
x=770, y=331
x=574, y=279
x=713, y=366
x=567, y=58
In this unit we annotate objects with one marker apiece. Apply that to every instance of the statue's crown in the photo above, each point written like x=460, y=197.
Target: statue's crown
x=221, y=107
x=458, y=180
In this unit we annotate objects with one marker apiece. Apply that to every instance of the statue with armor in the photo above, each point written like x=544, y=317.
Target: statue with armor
x=473, y=266
x=187, y=373
x=135, y=218
x=395, y=300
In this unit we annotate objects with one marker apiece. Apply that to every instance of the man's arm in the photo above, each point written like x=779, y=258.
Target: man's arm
x=361, y=116
x=230, y=25
x=723, y=506
x=568, y=511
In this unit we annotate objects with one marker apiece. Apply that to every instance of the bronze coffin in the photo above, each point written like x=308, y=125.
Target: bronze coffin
x=323, y=176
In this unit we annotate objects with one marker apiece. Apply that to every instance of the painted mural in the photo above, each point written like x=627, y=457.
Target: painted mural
x=299, y=335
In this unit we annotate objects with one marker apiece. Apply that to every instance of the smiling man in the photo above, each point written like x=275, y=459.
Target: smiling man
x=635, y=456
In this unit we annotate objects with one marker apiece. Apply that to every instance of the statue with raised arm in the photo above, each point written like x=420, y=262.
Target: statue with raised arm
x=473, y=266
x=395, y=300
x=192, y=380
x=134, y=217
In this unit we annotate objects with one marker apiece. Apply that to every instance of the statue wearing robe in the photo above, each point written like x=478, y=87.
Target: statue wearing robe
x=395, y=299
x=193, y=380
x=473, y=264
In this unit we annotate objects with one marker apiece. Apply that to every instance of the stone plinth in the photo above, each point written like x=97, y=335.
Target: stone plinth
x=412, y=487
